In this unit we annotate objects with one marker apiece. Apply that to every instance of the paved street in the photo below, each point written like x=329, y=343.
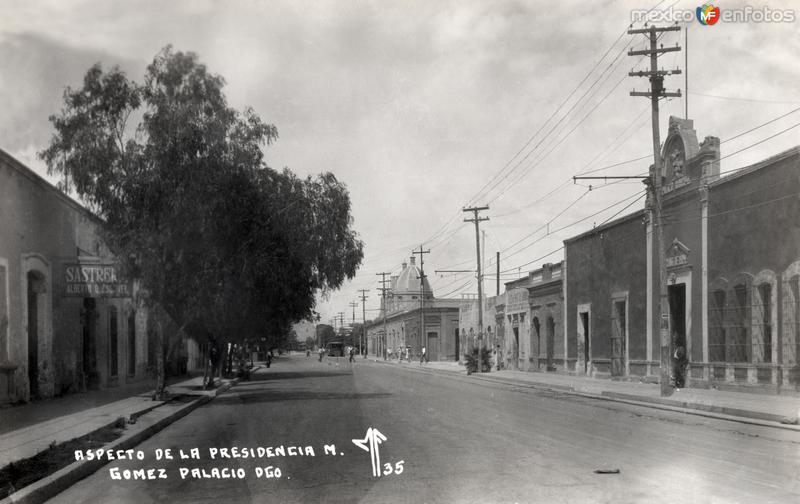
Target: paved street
x=460, y=441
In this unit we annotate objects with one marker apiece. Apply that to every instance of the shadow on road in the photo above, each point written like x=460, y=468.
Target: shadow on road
x=292, y=375
x=271, y=396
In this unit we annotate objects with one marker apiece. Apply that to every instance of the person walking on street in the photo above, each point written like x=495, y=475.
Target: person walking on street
x=352, y=354
x=321, y=353
x=423, y=356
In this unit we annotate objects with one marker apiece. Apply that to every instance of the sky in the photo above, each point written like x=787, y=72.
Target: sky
x=425, y=107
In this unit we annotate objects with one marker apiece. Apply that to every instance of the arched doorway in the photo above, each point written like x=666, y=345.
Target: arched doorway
x=89, y=317
x=132, y=343
x=37, y=311
x=535, y=349
x=551, y=342
x=458, y=346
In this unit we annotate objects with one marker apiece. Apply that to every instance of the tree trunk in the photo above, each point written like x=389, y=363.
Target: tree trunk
x=206, y=370
x=160, y=375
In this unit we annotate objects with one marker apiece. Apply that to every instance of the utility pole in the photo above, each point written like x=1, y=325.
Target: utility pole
x=498, y=275
x=353, y=305
x=477, y=220
x=363, y=334
x=384, y=290
x=423, y=336
x=657, y=92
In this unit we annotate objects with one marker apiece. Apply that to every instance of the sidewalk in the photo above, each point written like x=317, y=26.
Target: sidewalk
x=27, y=430
x=772, y=409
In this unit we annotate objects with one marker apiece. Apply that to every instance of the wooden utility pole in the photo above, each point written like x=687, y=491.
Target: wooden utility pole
x=423, y=336
x=363, y=334
x=384, y=290
x=353, y=305
x=498, y=274
x=657, y=92
x=477, y=220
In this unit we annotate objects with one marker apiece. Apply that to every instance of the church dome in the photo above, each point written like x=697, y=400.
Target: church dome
x=407, y=282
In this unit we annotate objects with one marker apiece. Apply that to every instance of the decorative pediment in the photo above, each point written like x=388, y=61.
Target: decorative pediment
x=677, y=254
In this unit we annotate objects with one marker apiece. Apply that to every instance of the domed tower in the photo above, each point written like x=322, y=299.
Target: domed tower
x=407, y=289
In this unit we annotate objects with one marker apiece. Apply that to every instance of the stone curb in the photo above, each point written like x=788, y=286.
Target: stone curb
x=710, y=411
x=64, y=478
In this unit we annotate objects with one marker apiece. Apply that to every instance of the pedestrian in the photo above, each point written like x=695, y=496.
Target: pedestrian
x=321, y=353
x=352, y=353
x=423, y=357
x=213, y=360
x=308, y=353
x=679, y=364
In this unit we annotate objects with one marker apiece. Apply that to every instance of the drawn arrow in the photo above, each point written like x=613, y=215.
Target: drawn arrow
x=371, y=443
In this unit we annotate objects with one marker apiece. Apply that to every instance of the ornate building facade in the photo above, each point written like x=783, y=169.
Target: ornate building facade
x=732, y=254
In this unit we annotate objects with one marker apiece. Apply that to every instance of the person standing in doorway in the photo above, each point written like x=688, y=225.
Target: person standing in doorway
x=679, y=364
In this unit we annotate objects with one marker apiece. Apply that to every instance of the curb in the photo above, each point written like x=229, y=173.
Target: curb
x=65, y=477
x=705, y=410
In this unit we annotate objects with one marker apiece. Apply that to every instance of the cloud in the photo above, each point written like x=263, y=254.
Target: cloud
x=36, y=70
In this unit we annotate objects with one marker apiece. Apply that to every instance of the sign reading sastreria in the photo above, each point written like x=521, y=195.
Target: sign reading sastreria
x=95, y=280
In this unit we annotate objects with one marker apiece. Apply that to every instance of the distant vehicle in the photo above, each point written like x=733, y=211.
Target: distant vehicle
x=336, y=349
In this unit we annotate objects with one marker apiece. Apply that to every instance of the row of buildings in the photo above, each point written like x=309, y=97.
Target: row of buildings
x=732, y=254
x=69, y=321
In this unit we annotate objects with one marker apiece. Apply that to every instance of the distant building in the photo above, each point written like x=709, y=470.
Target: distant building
x=528, y=319
x=732, y=266
x=304, y=330
x=468, y=321
x=404, y=312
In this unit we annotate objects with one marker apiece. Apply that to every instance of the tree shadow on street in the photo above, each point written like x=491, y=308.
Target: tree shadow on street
x=272, y=396
x=290, y=375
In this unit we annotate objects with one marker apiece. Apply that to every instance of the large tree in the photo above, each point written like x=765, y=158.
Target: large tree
x=217, y=239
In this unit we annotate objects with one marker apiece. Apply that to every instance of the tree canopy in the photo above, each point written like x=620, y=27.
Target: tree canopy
x=216, y=237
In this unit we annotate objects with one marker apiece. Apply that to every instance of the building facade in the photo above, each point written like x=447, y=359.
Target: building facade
x=68, y=320
x=408, y=307
x=528, y=320
x=732, y=263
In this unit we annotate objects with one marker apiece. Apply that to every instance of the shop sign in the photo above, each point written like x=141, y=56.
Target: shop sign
x=101, y=280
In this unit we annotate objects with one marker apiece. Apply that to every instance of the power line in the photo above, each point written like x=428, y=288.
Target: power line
x=739, y=98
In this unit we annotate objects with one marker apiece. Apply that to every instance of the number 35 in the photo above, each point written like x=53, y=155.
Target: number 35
x=397, y=469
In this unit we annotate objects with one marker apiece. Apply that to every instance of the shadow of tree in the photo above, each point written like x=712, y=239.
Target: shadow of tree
x=273, y=396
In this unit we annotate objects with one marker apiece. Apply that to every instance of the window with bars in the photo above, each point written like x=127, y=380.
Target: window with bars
x=737, y=345
x=794, y=285
x=3, y=314
x=740, y=323
x=716, y=327
x=762, y=346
